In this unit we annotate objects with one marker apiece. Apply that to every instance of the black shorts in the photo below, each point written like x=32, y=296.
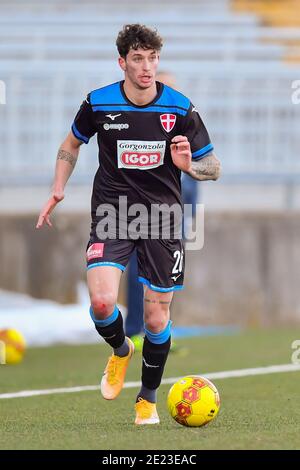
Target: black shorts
x=160, y=261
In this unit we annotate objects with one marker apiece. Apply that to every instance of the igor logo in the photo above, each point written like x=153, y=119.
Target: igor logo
x=140, y=155
x=95, y=251
x=140, y=160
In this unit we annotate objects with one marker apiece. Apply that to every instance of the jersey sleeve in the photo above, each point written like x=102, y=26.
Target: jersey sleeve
x=196, y=132
x=83, y=126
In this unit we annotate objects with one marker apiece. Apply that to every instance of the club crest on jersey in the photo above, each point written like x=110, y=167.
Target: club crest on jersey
x=168, y=121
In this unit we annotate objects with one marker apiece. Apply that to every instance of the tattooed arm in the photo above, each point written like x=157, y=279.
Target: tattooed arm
x=207, y=168
x=65, y=163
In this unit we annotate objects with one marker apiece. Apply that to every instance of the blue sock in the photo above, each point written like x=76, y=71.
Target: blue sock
x=155, y=352
x=112, y=331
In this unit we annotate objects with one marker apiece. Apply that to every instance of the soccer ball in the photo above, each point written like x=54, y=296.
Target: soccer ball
x=12, y=346
x=193, y=401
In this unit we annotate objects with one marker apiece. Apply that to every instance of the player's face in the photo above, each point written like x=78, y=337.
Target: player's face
x=140, y=67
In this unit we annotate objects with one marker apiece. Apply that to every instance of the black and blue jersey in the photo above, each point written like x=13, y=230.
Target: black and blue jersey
x=134, y=143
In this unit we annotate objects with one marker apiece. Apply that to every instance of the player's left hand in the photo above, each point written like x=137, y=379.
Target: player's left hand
x=181, y=153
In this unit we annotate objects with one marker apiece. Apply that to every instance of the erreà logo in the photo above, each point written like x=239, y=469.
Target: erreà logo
x=95, y=251
x=168, y=121
x=140, y=155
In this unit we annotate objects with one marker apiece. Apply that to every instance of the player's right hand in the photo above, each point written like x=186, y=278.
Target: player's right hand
x=48, y=208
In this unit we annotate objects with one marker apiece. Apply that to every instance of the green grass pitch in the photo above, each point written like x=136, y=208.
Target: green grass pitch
x=257, y=412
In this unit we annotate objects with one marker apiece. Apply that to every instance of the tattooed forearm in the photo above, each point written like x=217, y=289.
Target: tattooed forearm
x=208, y=168
x=68, y=157
x=156, y=301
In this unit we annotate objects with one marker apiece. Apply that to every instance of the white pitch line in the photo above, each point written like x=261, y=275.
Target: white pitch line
x=227, y=374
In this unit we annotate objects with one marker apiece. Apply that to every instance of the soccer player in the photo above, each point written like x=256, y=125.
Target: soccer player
x=135, y=295
x=147, y=134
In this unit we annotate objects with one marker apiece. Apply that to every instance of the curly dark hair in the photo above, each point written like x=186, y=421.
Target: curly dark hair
x=135, y=36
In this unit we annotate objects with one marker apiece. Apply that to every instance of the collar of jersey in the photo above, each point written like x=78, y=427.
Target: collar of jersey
x=159, y=87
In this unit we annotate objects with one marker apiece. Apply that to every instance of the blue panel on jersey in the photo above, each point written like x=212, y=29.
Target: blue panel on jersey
x=78, y=135
x=149, y=109
x=172, y=97
x=107, y=95
x=202, y=152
